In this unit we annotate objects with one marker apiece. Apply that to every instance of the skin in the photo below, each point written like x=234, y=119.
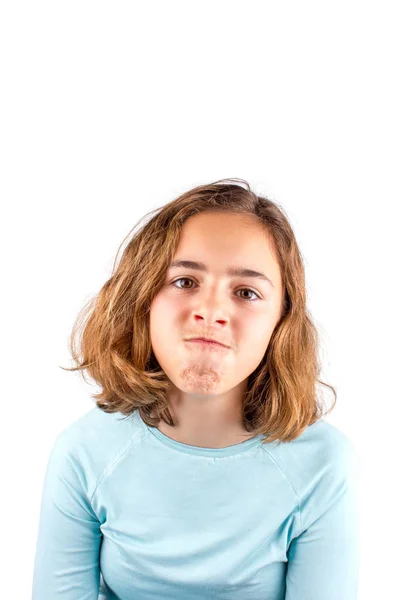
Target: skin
x=208, y=385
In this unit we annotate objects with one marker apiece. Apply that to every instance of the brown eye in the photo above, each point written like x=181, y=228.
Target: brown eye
x=183, y=279
x=257, y=297
x=247, y=290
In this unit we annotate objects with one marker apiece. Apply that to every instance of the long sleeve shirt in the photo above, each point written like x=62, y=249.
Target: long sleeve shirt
x=127, y=513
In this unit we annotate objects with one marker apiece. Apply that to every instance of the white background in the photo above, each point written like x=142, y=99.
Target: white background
x=111, y=109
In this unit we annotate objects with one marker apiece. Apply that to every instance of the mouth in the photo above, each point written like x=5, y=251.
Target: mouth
x=207, y=343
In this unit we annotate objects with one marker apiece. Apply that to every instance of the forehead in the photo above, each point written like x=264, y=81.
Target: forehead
x=220, y=230
x=225, y=240
x=213, y=217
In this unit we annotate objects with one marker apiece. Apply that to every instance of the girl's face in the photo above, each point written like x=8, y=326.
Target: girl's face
x=239, y=310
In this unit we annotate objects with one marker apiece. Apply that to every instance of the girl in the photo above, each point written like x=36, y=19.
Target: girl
x=206, y=469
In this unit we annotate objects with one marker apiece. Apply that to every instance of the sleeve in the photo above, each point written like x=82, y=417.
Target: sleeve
x=66, y=565
x=323, y=561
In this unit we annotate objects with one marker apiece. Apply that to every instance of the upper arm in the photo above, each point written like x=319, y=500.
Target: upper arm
x=323, y=561
x=69, y=537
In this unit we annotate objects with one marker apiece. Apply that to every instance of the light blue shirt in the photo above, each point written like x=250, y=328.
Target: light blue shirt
x=127, y=513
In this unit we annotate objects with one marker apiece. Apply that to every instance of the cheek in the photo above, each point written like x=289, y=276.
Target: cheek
x=256, y=334
x=164, y=333
x=261, y=333
x=257, y=325
x=162, y=318
x=253, y=350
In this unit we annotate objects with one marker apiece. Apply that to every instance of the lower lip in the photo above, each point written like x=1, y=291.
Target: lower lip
x=207, y=344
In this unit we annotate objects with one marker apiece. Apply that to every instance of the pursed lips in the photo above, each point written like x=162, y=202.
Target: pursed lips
x=207, y=341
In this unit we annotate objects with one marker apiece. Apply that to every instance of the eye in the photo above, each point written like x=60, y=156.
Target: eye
x=241, y=289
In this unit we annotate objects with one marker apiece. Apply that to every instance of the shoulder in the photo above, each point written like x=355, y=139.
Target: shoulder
x=324, y=443
x=323, y=468
x=321, y=453
x=93, y=444
x=98, y=427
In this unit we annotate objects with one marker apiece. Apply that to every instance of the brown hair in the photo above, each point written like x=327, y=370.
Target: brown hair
x=115, y=346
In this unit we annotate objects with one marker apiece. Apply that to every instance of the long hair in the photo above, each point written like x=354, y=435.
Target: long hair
x=114, y=347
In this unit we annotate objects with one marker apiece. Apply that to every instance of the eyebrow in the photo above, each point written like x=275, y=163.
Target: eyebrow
x=233, y=271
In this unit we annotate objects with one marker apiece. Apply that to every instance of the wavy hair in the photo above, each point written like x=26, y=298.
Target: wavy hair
x=110, y=338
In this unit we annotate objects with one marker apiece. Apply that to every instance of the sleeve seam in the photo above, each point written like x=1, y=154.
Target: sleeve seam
x=111, y=468
x=293, y=488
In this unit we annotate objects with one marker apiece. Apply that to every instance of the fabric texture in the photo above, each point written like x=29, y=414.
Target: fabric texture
x=127, y=513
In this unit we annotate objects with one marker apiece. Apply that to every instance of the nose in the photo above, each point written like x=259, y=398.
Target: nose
x=211, y=308
x=209, y=320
